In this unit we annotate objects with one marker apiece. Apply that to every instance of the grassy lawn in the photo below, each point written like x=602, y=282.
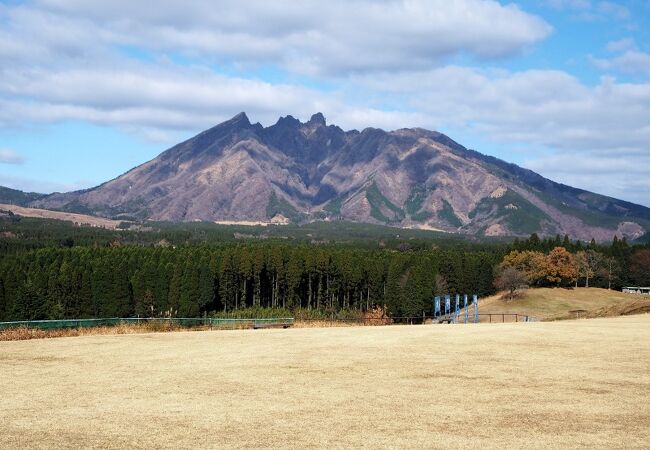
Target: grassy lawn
x=562, y=384
x=551, y=304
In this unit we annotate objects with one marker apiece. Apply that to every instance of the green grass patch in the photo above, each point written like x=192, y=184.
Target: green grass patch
x=588, y=216
x=415, y=201
x=447, y=214
x=377, y=200
x=525, y=218
x=279, y=205
x=334, y=206
x=376, y=213
x=422, y=216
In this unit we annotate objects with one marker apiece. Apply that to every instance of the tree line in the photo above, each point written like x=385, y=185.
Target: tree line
x=50, y=269
x=592, y=265
x=85, y=282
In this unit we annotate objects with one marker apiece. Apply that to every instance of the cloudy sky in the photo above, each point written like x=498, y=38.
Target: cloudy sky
x=90, y=89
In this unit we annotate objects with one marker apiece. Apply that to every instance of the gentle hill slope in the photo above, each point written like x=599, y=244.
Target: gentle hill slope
x=557, y=304
x=77, y=219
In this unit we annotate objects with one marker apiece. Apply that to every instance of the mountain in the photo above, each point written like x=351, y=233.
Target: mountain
x=16, y=197
x=294, y=171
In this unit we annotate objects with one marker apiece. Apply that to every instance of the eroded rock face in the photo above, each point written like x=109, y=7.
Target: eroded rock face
x=630, y=229
x=294, y=171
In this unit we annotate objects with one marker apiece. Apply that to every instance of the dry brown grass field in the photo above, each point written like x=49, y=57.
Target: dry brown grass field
x=80, y=219
x=557, y=303
x=577, y=384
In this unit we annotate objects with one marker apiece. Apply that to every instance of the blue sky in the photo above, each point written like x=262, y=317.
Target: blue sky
x=89, y=90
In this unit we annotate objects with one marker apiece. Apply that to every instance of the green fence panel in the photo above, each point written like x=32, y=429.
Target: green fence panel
x=188, y=322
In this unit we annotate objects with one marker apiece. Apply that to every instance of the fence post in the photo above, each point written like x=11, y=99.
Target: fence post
x=466, y=307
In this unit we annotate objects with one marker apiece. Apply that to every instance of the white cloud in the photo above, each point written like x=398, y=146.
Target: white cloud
x=613, y=9
x=549, y=110
x=613, y=175
x=67, y=59
x=568, y=4
x=309, y=36
x=621, y=45
x=540, y=107
x=384, y=65
x=157, y=102
x=8, y=156
x=588, y=10
x=630, y=62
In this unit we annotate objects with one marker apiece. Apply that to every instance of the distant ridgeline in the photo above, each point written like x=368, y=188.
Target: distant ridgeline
x=298, y=172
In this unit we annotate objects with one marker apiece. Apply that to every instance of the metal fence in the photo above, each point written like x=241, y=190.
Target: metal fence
x=283, y=322
x=504, y=318
x=423, y=320
x=164, y=322
x=486, y=318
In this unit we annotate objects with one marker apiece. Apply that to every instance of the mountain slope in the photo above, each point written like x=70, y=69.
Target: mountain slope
x=16, y=197
x=306, y=171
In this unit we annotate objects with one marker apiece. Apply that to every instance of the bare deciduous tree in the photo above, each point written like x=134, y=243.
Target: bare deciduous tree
x=588, y=264
x=610, y=270
x=510, y=279
x=440, y=286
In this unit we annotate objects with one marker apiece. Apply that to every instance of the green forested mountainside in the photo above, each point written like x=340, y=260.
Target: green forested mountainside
x=50, y=270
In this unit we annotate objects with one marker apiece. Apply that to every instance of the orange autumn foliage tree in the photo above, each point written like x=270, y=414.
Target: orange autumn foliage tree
x=530, y=263
x=562, y=267
x=558, y=268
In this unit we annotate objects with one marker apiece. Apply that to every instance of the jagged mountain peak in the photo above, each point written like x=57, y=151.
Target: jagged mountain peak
x=240, y=117
x=411, y=177
x=288, y=121
x=317, y=118
x=238, y=121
